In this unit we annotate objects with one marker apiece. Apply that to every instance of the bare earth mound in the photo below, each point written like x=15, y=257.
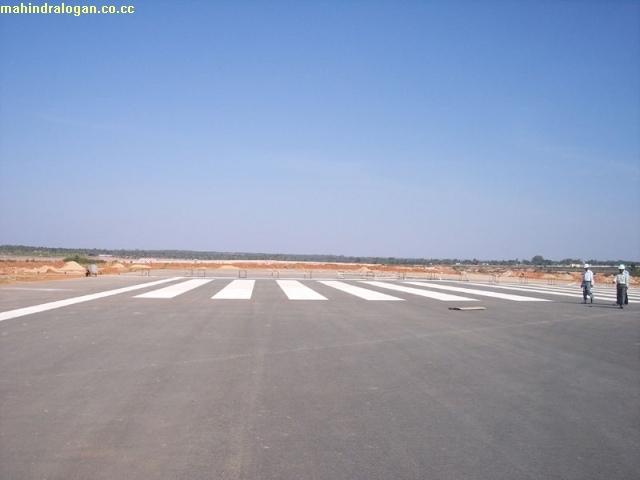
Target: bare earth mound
x=73, y=267
x=29, y=271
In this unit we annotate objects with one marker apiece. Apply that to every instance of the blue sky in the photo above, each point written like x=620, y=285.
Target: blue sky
x=494, y=130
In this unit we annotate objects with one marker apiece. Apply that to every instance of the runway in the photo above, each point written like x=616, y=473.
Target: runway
x=174, y=377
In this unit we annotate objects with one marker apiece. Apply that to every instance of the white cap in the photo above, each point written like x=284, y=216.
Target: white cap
x=621, y=267
x=586, y=265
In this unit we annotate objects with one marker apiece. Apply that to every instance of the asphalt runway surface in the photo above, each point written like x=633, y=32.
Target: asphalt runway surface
x=121, y=377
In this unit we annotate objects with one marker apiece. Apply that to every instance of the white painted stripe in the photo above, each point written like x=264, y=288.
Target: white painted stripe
x=422, y=293
x=483, y=293
x=72, y=301
x=538, y=288
x=175, y=290
x=359, y=292
x=295, y=290
x=236, y=290
x=543, y=290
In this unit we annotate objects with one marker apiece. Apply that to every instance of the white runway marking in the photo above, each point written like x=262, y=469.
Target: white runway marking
x=473, y=291
x=72, y=301
x=422, y=293
x=575, y=292
x=295, y=290
x=360, y=292
x=175, y=290
x=236, y=290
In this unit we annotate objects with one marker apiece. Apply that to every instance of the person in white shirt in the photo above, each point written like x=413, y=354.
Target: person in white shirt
x=622, y=282
x=587, y=284
x=626, y=292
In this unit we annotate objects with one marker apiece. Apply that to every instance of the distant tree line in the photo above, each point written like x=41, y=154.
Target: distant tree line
x=536, y=261
x=82, y=260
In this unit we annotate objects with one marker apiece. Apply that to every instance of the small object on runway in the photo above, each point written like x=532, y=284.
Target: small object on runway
x=466, y=308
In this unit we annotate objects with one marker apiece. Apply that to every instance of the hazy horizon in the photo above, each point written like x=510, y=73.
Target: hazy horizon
x=255, y=254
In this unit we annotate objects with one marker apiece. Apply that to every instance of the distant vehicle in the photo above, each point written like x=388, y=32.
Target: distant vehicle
x=91, y=270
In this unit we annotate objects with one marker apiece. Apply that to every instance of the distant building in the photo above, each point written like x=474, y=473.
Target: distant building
x=146, y=260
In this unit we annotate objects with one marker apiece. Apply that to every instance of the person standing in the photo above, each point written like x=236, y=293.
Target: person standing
x=587, y=283
x=621, y=281
x=626, y=292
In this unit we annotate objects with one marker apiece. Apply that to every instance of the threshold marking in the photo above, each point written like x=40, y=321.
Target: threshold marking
x=560, y=291
x=359, y=292
x=20, y=312
x=423, y=293
x=175, y=290
x=236, y=290
x=294, y=290
x=485, y=293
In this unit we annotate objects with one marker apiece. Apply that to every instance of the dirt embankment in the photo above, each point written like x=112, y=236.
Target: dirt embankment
x=36, y=270
x=30, y=271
